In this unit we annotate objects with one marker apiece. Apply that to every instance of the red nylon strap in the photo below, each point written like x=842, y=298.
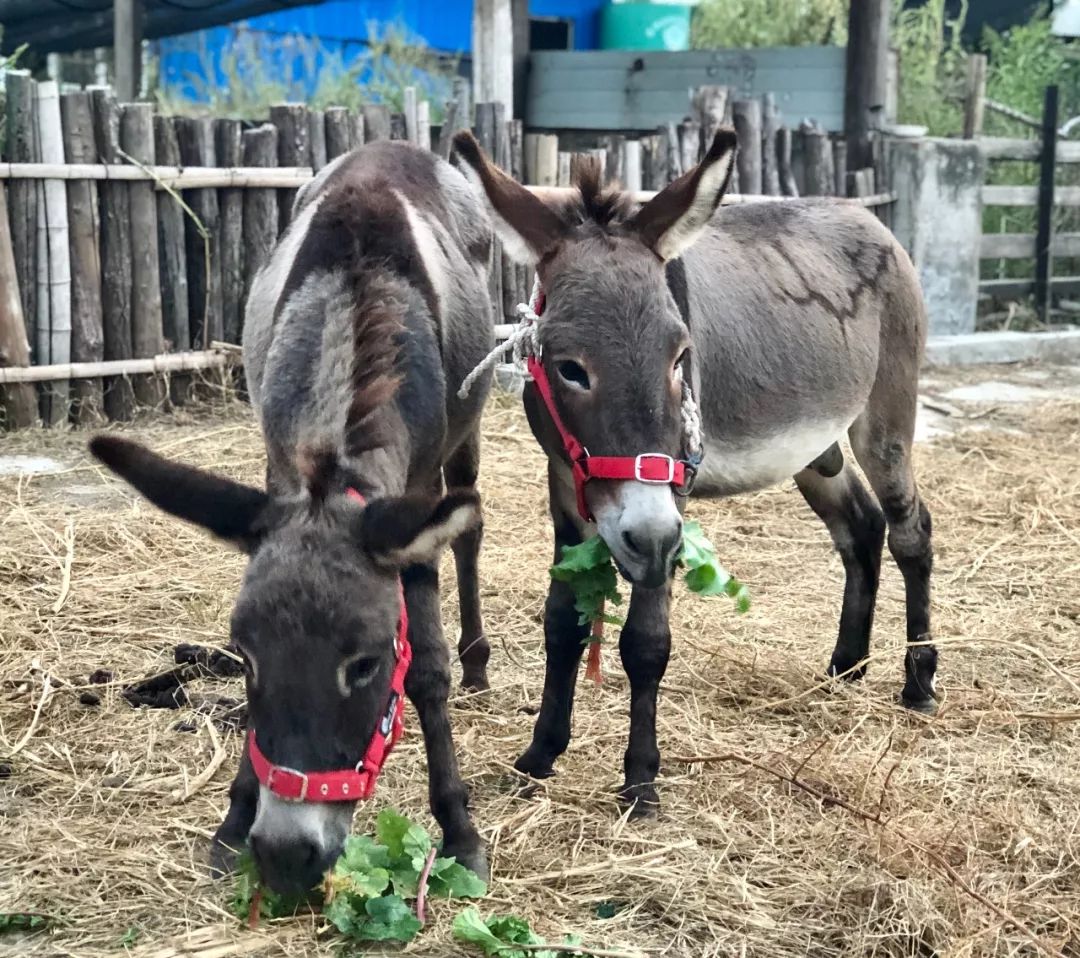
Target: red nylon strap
x=648, y=467
x=350, y=784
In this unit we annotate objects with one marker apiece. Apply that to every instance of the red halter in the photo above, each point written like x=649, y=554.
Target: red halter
x=652, y=467
x=349, y=784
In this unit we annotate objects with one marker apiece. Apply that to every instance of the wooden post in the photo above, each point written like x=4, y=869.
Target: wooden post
x=711, y=107
x=356, y=129
x=770, y=166
x=54, y=295
x=87, y=335
x=747, y=115
x=1044, y=228
x=449, y=128
x=127, y=47
x=866, y=80
x=631, y=164
x=260, y=206
x=172, y=257
x=196, y=138
x=563, y=178
x=975, y=95
x=817, y=156
x=115, y=256
x=231, y=233
x=689, y=144
x=510, y=159
x=860, y=183
x=655, y=161
x=519, y=13
x=18, y=402
x=397, y=127
x=338, y=133
x=840, y=167
x=546, y=172
x=317, y=138
x=493, y=53
x=22, y=147
x=376, y=122
x=673, y=153
x=486, y=120
x=783, y=162
x=412, y=121
x=147, y=340
x=423, y=124
x=612, y=146
x=294, y=149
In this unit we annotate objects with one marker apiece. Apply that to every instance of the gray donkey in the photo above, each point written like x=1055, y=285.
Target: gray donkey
x=374, y=300
x=796, y=323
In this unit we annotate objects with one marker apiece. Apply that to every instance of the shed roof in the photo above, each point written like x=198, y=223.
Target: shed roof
x=64, y=25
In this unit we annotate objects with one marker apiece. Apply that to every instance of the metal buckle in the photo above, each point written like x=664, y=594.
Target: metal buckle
x=639, y=460
x=275, y=769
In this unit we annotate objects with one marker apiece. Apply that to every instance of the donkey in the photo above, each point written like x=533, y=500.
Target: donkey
x=374, y=299
x=794, y=322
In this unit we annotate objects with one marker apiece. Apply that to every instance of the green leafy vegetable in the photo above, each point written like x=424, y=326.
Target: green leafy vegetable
x=500, y=933
x=23, y=921
x=366, y=893
x=590, y=572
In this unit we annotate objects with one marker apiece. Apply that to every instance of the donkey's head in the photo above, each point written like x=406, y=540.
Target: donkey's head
x=615, y=347
x=316, y=623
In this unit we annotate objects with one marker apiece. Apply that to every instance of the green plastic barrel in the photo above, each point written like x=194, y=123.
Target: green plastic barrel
x=645, y=26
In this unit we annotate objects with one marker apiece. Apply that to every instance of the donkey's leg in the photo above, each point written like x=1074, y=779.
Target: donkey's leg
x=232, y=833
x=885, y=455
x=474, y=651
x=857, y=527
x=563, y=646
x=644, y=646
x=428, y=687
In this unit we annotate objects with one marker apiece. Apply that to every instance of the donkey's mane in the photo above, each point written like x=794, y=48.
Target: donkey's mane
x=364, y=229
x=595, y=203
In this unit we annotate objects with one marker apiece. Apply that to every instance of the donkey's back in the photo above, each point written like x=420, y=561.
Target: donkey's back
x=388, y=228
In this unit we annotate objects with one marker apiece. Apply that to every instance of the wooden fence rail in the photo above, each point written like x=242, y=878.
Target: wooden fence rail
x=154, y=227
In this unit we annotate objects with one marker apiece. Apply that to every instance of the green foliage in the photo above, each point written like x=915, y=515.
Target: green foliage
x=590, y=572
x=365, y=894
x=933, y=65
x=261, y=70
x=768, y=23
x=498, y=935
x=23, y=921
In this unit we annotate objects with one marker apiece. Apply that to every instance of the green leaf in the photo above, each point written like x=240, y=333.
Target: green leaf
x=363, y=852
x=389, y=919
x=415, y=845
x=588, y=570
x=405, y=879
x=470, y=927
x=704, y=574
x=366, y=884
x=391, y=829
x=343, y=915
x=590, y=554
x=451, y=879
x=23, y=921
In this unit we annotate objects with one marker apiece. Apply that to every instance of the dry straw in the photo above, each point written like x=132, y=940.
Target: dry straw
x=799, y=819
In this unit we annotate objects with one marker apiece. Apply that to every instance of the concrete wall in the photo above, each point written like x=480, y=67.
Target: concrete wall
x=938, y=218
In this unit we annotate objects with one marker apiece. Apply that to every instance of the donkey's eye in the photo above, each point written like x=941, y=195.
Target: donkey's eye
x=573, y=374
x=358, y=672
x=679, y=368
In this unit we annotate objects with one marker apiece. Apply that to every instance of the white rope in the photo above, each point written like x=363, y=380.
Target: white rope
x=525, y=342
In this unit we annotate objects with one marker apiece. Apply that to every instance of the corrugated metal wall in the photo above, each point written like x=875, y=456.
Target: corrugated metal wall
x=624, y=90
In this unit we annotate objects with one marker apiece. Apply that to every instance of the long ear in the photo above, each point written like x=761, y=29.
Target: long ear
x=399, y=532
x=527, y=227
x=673, y=220
x=230, y=510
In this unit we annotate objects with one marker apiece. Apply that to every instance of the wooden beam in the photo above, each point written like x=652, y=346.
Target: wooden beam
x=1023, y=245
x=519, y=13
x=1008, y=148
x=127, y=48
x=166, y=363
x=975, y=95
x=493, y=53
x=867, y=77
x=1044, y=228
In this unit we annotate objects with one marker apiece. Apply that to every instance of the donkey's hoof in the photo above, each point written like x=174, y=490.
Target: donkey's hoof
x=475, y=682
x=471, y=855
x=924, y=706
x=848, y=671
x=643, y=800
x=224, y=852
x=535, y=765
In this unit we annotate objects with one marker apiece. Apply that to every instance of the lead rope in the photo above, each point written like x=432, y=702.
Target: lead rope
x=525, y=342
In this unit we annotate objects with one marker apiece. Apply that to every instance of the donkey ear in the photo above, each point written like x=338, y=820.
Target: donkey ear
x=399, y=532
x=673, y=220
x=527, y=227
x=230, y=510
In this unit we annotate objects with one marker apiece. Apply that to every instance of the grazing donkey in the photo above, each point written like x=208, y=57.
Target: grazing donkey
x=796, y=323
x=374, y=300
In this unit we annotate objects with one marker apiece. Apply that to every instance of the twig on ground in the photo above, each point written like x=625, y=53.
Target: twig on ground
x=421, y=891
x=46, y=691
x=216, y=760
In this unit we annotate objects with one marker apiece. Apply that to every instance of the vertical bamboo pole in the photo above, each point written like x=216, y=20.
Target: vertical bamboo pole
x=770, y=167
x=56, y=345
x=317, y=139
x=18, y=401
x=260, y=206
x=423, y=124
x=747, y=115
x=22, y=147
x=412, y=121
x=87, y=332
x=294, y=149
x=196, y=138
x=376, y=122
x=231, y=231
x=338, y=132
x=172, y=256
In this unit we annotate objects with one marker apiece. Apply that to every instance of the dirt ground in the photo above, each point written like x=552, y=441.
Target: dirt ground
x=799, y=819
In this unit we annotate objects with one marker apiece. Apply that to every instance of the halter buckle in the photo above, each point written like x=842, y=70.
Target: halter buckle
x=645, y=458
x=294, y=774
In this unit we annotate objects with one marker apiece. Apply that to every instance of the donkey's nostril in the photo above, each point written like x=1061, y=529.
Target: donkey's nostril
x=631, y=543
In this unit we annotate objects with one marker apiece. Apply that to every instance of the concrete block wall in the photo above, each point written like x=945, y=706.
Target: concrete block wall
x=938, y=219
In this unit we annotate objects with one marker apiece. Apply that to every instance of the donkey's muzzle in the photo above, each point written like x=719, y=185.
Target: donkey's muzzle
x=291, y=866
